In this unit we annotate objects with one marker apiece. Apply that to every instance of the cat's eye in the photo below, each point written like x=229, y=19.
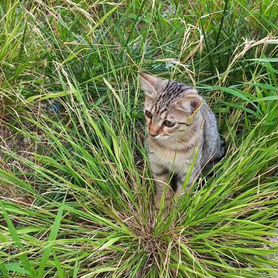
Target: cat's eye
x=148, y=114
x=168, y=123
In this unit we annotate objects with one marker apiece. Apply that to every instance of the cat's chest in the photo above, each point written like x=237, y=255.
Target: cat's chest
x=173, y=160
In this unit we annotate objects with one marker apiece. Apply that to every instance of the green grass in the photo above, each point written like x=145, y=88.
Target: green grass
x=76, y=186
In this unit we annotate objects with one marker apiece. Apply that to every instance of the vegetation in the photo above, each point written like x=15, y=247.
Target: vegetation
x=77, y=191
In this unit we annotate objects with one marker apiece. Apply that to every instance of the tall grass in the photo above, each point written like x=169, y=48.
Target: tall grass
x=77, y=189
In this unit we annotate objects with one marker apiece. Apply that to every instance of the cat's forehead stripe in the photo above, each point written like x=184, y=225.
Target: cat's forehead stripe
x=171, y=91
x=166, y=87
x=162, y=111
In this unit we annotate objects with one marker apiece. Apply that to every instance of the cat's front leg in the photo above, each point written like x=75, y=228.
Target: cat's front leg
x=182, y=179
x=180, y=183
x=161, y=176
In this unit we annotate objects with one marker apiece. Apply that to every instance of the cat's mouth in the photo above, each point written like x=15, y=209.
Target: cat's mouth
x=160, y=136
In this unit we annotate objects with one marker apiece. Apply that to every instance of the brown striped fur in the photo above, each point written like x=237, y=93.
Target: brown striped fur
x=182, y=133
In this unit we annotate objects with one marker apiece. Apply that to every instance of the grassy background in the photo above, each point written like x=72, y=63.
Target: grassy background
x=76, y=187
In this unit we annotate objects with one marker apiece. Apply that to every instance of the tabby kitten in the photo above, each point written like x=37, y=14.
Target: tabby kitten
x=182, y=134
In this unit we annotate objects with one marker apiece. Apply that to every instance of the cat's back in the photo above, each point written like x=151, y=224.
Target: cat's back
x=212, y=142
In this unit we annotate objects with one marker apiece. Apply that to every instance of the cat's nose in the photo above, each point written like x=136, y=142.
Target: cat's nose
x=153, y=132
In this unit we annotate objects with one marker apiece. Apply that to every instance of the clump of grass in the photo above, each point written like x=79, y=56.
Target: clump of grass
x=87, y=208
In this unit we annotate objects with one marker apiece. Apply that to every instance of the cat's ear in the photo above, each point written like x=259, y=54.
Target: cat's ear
x=190, y=103
x=150, y=84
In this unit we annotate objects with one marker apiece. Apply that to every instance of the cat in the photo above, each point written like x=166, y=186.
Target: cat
x=182, y=134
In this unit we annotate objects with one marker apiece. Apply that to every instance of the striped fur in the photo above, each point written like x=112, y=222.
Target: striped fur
x=182, y=134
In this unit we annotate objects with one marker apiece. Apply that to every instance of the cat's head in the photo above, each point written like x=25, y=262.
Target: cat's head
x=171, y=108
